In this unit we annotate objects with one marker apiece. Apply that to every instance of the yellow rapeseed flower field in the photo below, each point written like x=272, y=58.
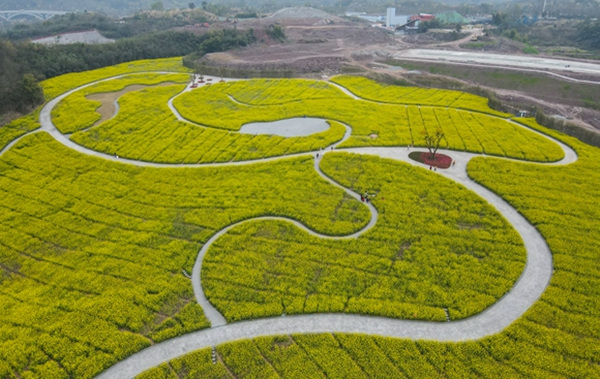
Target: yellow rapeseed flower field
x=95, y=256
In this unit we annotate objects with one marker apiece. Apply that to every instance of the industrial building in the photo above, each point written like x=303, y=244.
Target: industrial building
x=391, y=20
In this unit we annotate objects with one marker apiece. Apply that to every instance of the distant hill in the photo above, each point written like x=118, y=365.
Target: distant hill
x=113, y=7
x=566, y=8
x=128, y=7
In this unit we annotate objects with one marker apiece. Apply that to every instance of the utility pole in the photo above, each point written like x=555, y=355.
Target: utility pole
x=544, y=10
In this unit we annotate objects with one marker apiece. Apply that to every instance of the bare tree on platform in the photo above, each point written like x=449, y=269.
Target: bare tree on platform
x=433, y=141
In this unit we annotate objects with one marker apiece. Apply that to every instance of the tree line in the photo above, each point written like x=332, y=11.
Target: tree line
x=18, y=88
x=588, y=34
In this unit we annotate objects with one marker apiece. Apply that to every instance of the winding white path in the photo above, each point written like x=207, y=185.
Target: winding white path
x=526, y=291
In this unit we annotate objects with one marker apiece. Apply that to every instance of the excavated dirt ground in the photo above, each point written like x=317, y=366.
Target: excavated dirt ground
x=311, y=47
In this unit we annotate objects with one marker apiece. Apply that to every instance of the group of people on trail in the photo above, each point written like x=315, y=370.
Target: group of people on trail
x=321, y=149
x=366, y=198
x=435, y=167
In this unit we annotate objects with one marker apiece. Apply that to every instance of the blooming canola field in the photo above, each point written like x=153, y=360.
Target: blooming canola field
x=99, y=239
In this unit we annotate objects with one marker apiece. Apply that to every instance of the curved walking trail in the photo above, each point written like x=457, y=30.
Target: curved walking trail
x=525, y=292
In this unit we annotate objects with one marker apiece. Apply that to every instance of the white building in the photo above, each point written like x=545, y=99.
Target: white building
x=391, y=20
x=365, y=16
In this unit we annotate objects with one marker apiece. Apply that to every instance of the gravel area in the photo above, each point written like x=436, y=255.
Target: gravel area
x=90, y=36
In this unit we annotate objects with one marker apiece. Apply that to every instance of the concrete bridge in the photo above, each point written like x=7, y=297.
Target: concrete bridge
x=41, y=15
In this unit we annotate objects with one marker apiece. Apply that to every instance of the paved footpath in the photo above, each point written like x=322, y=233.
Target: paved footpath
x=526, y=291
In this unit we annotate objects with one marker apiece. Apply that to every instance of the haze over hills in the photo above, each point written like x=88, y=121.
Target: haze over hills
x=136, y=5
x=566, y=8
x=123, y=7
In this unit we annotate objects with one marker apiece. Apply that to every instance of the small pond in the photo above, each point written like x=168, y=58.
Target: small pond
x=291, y=127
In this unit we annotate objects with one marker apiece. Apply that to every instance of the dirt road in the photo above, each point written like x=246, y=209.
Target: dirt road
x=502, y=60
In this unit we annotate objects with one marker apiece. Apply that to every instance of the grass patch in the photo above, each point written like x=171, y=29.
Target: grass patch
x=528, y=49
x=479, y=45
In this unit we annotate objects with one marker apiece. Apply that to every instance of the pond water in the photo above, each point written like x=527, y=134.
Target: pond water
x=291, y=127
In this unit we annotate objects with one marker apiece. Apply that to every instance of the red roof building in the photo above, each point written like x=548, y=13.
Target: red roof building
x=422, y=17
